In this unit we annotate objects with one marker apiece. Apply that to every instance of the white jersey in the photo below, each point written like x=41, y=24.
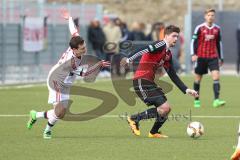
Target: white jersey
x=61, y=76
x=62, y=72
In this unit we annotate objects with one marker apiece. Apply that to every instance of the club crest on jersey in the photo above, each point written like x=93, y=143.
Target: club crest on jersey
x=215, y=31
x=204, y=31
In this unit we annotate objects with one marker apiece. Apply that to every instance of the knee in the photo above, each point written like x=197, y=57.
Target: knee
x=216, y=78
x=198, y=78
x=60, y=113
x=215, y=75
x=164, y=109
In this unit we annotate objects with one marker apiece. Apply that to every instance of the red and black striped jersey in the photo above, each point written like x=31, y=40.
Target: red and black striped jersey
x=206, y=42
x=154, y=56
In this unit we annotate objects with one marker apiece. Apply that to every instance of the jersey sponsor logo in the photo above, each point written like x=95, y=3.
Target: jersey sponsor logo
x=209, y=37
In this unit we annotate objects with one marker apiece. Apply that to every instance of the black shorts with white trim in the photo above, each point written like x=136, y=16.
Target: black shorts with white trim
x=149, y=92
x=203, y=64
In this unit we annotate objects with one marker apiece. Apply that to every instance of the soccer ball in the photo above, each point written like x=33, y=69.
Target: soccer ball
x=195, y=130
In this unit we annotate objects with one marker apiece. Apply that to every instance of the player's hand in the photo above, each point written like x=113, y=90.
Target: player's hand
x=124, y=61
x=194, y=58
x=192, y=92
x=64, y=13
x=220, y=63
x=105, y=63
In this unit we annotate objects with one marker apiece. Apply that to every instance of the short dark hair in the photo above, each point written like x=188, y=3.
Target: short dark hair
x=75, y=41
x=170, y=29
x=209, y=10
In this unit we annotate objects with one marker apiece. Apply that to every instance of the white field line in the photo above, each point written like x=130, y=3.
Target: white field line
x=21, y=86
x=122, y=116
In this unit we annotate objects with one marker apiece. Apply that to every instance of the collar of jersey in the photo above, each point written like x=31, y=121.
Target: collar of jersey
x=213, y=25
x=76, y=56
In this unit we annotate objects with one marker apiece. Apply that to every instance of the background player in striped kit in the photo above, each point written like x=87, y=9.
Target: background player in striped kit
x=207, y=53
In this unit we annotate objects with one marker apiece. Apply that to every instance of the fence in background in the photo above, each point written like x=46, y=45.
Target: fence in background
x=17, y=66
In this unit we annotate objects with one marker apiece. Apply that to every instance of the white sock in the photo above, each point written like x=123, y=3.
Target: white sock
x=40, y=115
x=48, y=128
x=238, y=145
x=52, y=119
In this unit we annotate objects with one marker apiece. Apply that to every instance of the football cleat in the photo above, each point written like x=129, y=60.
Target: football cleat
x=157, y=135
x=47, y=134
x=218, y=103
x=197, y=103
x=236, y=155
x=134, y=126
x=32, y=119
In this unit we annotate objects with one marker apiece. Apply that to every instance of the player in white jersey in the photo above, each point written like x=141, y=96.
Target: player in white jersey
x=61, y=77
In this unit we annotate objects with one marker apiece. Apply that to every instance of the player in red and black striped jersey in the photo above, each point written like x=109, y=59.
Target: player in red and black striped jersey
x=154, y=56
x=207, y=53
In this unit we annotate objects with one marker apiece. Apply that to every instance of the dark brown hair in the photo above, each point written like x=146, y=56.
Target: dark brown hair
x=170, y=29
x=75, y=41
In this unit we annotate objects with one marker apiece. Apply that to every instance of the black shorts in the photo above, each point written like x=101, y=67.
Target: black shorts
x=149, y=92
x=203, y=64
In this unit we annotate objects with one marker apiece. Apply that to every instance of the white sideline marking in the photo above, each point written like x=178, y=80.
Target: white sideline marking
x=13, y=115
x=21, y=86
x=122, y=116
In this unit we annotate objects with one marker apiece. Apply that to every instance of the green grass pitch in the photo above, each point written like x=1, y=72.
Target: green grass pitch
x=109, y=138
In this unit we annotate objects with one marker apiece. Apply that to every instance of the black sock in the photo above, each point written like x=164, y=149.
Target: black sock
x=51, y=125
x=158, y=124
x=216, y=89
x=45, y=115
x=150, y=113
x=196, y=87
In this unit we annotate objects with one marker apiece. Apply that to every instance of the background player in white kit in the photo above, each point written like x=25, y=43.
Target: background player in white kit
x=61, y=77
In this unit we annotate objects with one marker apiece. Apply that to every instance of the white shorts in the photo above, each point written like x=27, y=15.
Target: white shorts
x=58, y=94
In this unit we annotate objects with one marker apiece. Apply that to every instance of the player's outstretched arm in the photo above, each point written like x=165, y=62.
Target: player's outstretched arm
x=84, y=72
x=179, y=83
x=66, y=15
x=96, y=67
x=152, y=48
x=124, y=61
